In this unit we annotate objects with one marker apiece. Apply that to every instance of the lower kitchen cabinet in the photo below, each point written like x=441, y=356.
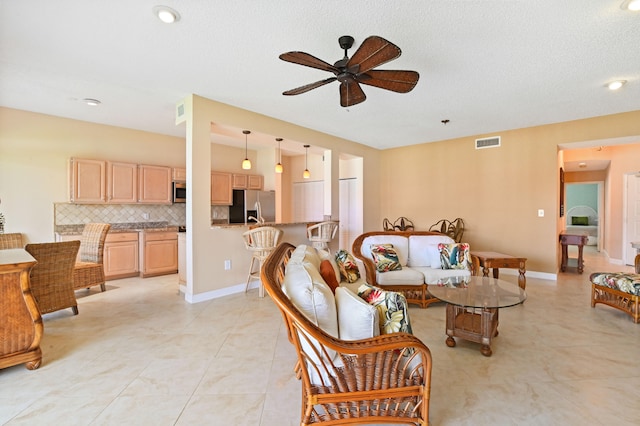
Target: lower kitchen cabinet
x=121, y=255
x=158, y=253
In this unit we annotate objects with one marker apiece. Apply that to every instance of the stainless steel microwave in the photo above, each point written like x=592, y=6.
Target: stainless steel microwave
x=179, y=192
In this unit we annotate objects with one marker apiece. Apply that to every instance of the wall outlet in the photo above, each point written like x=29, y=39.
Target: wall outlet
x=540, y=213
x=227, y=265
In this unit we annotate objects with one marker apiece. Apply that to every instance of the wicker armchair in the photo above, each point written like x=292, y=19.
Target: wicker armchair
x=385, y=379
x=89, y=270
x=51, y=279
x=11, y=241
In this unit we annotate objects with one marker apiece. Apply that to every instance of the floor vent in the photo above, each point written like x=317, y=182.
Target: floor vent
x=492, y=142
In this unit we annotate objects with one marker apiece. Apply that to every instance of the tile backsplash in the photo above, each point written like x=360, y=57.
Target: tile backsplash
x=172, y=214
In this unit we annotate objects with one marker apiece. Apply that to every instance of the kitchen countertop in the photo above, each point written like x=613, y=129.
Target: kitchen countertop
x=239, y=225
x=120, y=227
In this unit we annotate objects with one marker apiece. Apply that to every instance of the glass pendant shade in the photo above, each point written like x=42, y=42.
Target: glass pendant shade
x=306, y=174
x=246, y=163
x=279, y=168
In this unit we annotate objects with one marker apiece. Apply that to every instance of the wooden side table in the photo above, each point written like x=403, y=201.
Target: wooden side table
x=491, y=259
x=574, y=239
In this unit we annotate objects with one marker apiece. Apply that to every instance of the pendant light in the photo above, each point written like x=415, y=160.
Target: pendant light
x=279, y=167
x=306, y=174
x=246, y=163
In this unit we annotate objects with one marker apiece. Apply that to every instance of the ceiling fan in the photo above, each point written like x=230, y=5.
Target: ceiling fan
x=359, y=69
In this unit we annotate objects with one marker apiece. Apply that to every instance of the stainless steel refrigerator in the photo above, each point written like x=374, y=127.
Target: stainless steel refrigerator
x=252, y=206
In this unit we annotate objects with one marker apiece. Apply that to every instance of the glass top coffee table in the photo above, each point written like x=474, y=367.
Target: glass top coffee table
x=472, y=307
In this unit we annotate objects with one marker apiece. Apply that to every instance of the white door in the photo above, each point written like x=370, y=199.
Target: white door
x=632, y=224
x=348, y=213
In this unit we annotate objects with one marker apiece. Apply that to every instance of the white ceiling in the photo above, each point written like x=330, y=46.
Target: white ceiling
x=485, y=65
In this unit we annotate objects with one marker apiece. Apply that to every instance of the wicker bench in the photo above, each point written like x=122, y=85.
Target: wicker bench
x=416, y=274
x=618, y=290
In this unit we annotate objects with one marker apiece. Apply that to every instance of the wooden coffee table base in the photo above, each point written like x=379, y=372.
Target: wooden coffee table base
x=477, y=325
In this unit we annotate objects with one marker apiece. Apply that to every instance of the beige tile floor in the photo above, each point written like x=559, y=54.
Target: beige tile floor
x=138, y=354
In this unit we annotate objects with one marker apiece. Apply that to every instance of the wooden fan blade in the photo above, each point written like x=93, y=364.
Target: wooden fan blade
x=307, y=87
x=351, y=93
x=307, y=60
x=372, y=52
x=396, y=81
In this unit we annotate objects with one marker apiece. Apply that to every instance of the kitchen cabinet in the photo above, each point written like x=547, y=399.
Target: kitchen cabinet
x=122, y=183
x=221, y=189
x=242, y=181
x=121, y=255
x=255, y=182
x=158, y=253
x=88, y=178
x=182, y=258
x=179, y=174
x=154, y=184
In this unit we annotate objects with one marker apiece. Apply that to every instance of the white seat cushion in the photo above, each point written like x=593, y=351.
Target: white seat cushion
x=405, y=276
x=432, y=275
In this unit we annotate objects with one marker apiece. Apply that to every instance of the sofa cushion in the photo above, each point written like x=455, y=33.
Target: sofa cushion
x=385, y=257
x=455, y=256
x=423, y=249
x=404, y=276
x=400, y=244
x=329, y=275
x=433, y=275
x=356, y=318
x=348, y=267
x=325, y=255
x=391, y=306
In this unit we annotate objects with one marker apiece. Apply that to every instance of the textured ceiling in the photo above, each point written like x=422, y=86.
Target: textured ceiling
x=484, y=65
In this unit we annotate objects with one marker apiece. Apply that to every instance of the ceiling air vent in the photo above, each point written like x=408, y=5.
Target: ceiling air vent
x=492, y=142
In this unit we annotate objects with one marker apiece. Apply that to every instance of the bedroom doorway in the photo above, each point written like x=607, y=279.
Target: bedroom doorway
x=584, y=210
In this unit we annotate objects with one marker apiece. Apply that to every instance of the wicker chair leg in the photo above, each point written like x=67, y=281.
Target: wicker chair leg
x=75, y=310
x=103, y=287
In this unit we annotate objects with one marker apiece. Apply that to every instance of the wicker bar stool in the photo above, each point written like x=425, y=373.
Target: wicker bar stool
x=51, y=279
x=12, y=240
x=260, y=242
x=89, y=271
x=321, y=234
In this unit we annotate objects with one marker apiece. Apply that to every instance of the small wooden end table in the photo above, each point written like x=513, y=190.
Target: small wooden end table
x=492, y=259
x=573, y=239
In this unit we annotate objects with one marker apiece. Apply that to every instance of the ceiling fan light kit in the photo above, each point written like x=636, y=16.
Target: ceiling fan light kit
x=246, y=163
x=359, y=69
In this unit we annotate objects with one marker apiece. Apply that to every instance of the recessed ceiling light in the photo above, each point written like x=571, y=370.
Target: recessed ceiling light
x=166, y=14
x=91, y=102
x=615, y=85
x=632, y=5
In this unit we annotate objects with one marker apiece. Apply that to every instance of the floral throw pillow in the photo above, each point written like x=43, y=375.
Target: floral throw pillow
x=385, y=257
x=348, y=267
x=391, y=306
x=454, y=256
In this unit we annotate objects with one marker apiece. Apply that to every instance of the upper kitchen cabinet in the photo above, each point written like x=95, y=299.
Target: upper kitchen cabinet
x=241, y=181
x=221, y=189
x=179, y=174
x=88, y=179
x=255, y=182
x=154, y=184
x=122, y=183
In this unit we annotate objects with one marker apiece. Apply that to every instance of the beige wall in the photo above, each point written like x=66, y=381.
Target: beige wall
x=496, y=191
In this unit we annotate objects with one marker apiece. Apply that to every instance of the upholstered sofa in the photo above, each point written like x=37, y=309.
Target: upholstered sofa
x=420, y=260
x=350, y=372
